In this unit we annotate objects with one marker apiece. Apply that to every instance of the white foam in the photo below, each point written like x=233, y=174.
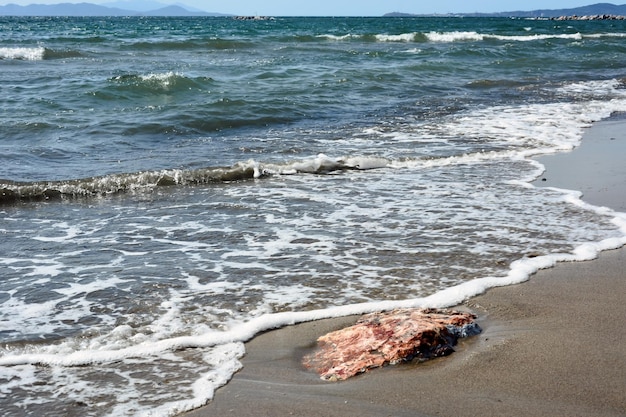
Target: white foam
x=457, y=36
x=520, y=271
x=223, y=358
x=27, y=54
x=323, y=163
x=224, y=362
x=366, y=162
x=164, y=77
x=464, y=36
x=541, y=125
x=70, y=233
x=404, y=37
x=592, y=89
x=339, y=37
x=537, y=37
x=605, y=35
x=34, y=317
x=454, y=36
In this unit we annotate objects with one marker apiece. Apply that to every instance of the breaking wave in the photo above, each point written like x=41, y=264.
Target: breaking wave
x=158, y=80
x=25, y=54
x=12, y=191
x=36, y=54
x=213, y=43
x=463, y=36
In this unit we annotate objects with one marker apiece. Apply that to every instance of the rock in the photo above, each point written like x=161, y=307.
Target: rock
x=253, y=18
x=379, y=339
x=591, y=17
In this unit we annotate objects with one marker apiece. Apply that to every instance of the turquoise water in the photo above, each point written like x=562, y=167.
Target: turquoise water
x=171, y=186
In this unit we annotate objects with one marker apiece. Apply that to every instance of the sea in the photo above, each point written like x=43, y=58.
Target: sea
x=171, y=187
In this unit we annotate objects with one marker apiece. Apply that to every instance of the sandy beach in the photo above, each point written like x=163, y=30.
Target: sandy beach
x=552, y=346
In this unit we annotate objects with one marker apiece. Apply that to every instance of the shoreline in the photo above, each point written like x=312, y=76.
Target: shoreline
x=596, y=167
x=549, y=347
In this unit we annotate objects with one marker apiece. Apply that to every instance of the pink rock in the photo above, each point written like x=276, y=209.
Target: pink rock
x=379, y=339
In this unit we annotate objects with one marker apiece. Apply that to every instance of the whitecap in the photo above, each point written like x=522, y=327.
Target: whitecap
x=26, y=54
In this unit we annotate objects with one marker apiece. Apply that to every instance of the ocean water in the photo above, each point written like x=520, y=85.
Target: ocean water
x=170, y=187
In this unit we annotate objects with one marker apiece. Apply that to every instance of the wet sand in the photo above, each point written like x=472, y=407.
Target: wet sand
x=597, y=167
x=552, y=346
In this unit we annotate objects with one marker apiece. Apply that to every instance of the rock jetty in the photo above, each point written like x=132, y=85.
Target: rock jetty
x=253, y=18
x=380, y=339
x=591, y=17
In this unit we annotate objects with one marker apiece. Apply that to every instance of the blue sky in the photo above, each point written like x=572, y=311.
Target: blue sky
x=351, y=7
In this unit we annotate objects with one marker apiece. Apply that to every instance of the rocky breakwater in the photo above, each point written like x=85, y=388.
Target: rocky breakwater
x=380, y=339
x=591, y=17
x=253, y=18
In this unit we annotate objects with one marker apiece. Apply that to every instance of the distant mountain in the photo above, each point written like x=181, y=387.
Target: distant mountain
x=63, y=9
x=146, y=5
x=89, y=9
x=174, y=11
x=594, y=9
x=137, y=5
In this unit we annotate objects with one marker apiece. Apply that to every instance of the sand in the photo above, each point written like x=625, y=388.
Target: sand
x=552, y=346
x=597, y=167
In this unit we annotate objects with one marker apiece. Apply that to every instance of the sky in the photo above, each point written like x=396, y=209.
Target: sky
x=349, y=7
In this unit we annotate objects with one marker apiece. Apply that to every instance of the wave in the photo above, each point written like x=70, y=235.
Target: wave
x=25, y=54
x=13, y=191
x=461, y=36
x=498, y=83
x=165, y=79
x=191, y=44
x=403, y=37
x=54, y=54
x=36, y=54
x=606, y=35
x=158, y=82
x=533, y=123
x=457, y=36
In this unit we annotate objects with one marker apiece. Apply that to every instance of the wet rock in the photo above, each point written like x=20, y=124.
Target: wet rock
x=379, y=339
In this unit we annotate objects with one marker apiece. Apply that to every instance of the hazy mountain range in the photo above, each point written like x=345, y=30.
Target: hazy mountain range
x=154, y=8
x=594, y=9
x=118, y=8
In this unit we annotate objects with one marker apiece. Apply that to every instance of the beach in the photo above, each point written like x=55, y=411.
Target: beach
x=173, y=190
x=551, y=346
